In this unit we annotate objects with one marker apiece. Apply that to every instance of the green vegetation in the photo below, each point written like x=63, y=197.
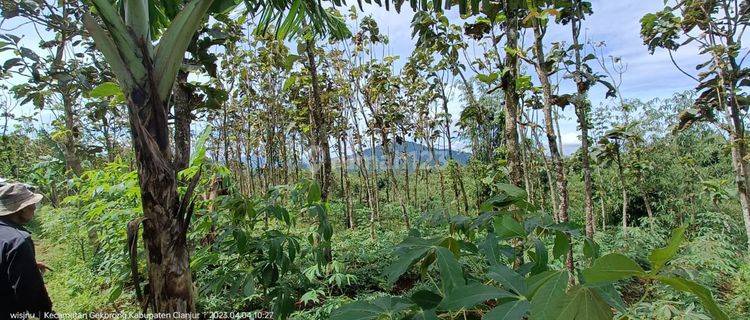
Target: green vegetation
x=288, y=165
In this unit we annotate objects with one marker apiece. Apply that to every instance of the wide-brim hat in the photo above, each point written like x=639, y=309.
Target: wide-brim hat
x=16, y=196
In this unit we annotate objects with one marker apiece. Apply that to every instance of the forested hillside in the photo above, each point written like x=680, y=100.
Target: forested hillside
x=413, y=154
x=274, y=159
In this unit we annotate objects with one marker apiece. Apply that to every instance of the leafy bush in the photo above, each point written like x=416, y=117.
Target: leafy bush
x=90, y=228
x=531, y=288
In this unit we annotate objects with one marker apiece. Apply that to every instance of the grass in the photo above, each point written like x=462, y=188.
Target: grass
x=73, y=287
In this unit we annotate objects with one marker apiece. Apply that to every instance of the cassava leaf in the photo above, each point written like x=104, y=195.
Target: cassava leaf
x=507, y=227
x=612, y=267
x=450, y=271
x=547, y=300
x=471, y=295
x=410, y=250
x=660, y=256
x=513, y=310
x=584, y=304
x=508, y=278
x=703, y=294
x=378, y=308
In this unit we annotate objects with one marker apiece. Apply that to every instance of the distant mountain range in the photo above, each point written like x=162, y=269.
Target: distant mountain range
x=415, y=152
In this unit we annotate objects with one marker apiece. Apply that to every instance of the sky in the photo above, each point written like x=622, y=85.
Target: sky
x=616, y=23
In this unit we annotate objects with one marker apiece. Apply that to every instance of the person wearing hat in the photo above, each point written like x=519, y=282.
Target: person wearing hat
x=22, y=290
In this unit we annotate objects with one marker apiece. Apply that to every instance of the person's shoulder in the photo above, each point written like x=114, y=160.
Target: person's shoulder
x=13, y=236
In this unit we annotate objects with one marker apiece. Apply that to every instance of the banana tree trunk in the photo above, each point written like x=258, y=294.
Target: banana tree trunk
x=183, y=100
x=146, y=75
x=165, y=224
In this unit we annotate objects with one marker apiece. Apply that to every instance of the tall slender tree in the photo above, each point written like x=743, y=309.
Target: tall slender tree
x=716, y=28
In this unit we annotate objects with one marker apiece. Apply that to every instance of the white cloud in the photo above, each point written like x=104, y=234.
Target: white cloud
x=570, y=138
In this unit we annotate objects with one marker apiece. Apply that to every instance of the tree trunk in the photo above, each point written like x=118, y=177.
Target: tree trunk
x=71, y=158
x=107, y=136
x=464, y=195
x=621, y=176
x=183, y=102
x=284, y=157
x=343, y=172
x=249, y=165
x=390, y=154
x=540, y=186
x=604, y=215
x=406, y=163
x=69, y=145
x=358, y=149
x=448, y=122
x=525, y=162
x=295, y=157
x=369, y=185
x=166, y=216
x=737, y=134
x=374, y=182
x=454, y=171
x=647, y=203
x=548, y=172
x=739, y=163
x=347, y=187
x=508, y=83
x=240, y=171
x=582, y=108
x=340, y=151
x=319, y=126
x=601, y=199
x=436, y=166
x=741, y=171
x=417, y=171
x=552, y=141
x=588, y=199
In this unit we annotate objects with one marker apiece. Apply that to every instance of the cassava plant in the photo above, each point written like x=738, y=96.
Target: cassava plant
x=536, y=290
